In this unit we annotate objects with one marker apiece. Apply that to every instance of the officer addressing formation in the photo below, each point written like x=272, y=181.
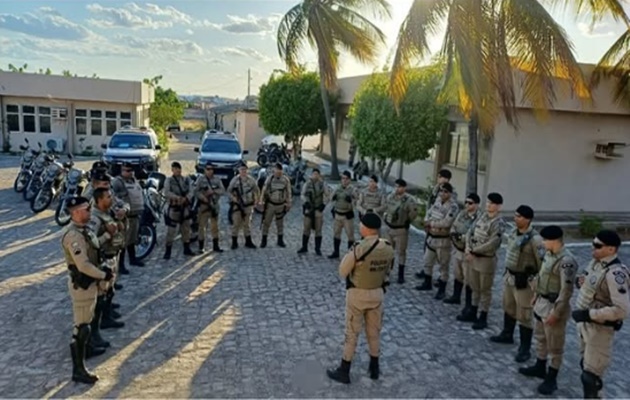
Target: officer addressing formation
x=538, y=281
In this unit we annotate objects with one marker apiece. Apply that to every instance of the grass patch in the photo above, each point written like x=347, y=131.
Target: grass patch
x=194, y=125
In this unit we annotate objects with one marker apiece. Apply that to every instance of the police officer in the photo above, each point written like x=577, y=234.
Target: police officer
x=522, y=263
x=366, y=269
x=459, y=230
x=400, y=209
x=440, y=218
x=443, y=176
x=276, y=198
x=127, y=188
x=244, y=194
x=602, y=305
x=209, y=190
x=81, y=256
x=179, y=192
x=371, y=199
x=314, y=197
x=343, y=213
x=553, y=287
x=99, y=168
x=482, y=243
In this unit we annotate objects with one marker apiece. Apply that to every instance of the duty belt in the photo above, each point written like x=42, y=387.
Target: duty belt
x=395, y=226
x=438, y=236
x=480, y=255
x=276, y=204
x=552, y=297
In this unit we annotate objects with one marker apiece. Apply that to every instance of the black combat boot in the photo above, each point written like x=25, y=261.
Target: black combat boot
x=263, y=242
x=482, y=321
x=421, y=274
x=131, y=250
x=96, y=338
x=341, y=374
x=550, y=384
x=441, y=293
x=304, y=248
x=77, y=350
x=591, y=384
x=401, y=274
x=468, y=315
x=215, y=246
x=318, y=245
x=118, y=286
x=234, y=242
x=456, y=298
x=426, y=285
x=122, y=269
x=248, y=242
x=167, y=252
x=526, y=343
x=507, y=334
x=201, y=246
x=538, y=370
x=374, y=369
x=335, y=254
x=350, y=244
x=107, y=320
x=187, y=250
x=281, y=241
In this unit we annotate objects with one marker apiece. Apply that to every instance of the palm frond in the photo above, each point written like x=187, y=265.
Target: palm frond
x=292, y=33
x=327, y=54
x=597, y=9
x=615, y=63
x=355, y=34
x=378, y=8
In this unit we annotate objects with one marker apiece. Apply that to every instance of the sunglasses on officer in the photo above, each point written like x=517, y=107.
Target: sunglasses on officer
x=597, y=245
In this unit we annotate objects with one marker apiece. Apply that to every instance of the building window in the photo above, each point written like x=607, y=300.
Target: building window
x=45, y=121
x=111, y=122
x=80, y=122
x=96, y=122
x=28, y=119
x=13, y=118
x=458, y=149
x=125, y=119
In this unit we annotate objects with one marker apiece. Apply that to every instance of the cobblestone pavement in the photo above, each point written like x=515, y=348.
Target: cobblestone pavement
x=247, y=323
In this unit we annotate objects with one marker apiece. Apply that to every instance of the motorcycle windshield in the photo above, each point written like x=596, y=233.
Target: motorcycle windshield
x=74, y=176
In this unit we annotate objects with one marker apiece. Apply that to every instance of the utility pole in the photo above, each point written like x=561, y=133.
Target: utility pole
x=249, y=84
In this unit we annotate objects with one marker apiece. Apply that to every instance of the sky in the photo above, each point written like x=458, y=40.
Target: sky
x=199, y=46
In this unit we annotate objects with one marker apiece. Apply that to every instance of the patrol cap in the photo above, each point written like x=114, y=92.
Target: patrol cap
x=447, y=187
x=495, y=198
x=209, y=165
x=374, y=178
x=278, y=165
x=525, y=211
x=127, y=164
x=445, y=173
x=347, y=174
x=609, y=238
x=99, y=165
x=371, y=221
x=102, y=177
x=551, y=232
x=176, y=164
x=474, y=197
x=316, y=170
x=401, y=182
x=77, y=202
x=243, y=164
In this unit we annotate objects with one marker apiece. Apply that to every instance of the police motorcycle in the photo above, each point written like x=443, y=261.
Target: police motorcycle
x=73, y=185
x=38, y=168
x=52, y=183
x=28, y=156
x=154, y=202
x=296, y=172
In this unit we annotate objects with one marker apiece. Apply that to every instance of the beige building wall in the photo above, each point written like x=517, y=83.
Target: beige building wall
x=248, y=127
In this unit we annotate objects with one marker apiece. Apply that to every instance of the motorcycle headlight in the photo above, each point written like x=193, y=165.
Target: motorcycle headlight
x=74, y=176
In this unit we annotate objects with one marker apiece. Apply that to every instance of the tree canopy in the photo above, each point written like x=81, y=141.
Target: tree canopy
x=406, y=135
x=291, y=105
x=166, y=109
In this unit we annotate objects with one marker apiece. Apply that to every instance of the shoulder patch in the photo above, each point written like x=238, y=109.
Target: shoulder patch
x=567, y=265
x=620, y=279
x=621, y=290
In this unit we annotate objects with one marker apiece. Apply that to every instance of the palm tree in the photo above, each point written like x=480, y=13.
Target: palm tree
x=485, y=41
x=329, y=27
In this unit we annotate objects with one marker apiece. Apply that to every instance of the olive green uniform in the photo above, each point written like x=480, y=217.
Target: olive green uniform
x=130, y=192
x=441, y=216
x=400, y=211
x=179, y=192
x=343, y=212
x=208, y=191
x=366, y=268
x=605, y=294
x=371, y=200
x=248, y=190
x=277, y=196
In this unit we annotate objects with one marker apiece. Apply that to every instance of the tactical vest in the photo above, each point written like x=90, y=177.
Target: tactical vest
x=276, y=189
x=245, y=187
x=396, y=215
x=133, y=195
x=550, y=282
x=438, y=212
x=314, y=192
x=92, y=245
x=179, y=186
x=591, y=293
x=521, y=251
x=481, y=229
x=117, y=241
x=371, y=199
x=370, y=271
x=460, y=228
x=341, y=204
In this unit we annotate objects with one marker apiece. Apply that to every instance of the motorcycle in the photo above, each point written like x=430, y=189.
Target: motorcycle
x=73, y=185
x=54, y=179
x=271, y=154
x=154, y=202
x=28, y=156
x=36, y=175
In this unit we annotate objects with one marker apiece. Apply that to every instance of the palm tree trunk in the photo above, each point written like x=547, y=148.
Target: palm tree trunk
x=473, y=155
x=334, y=171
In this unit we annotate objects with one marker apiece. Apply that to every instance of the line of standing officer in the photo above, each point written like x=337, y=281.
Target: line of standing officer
x=208, y=190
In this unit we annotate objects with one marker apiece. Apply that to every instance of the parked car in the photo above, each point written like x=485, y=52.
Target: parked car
x=139, y=146
x=174, y=128
x=224, y=151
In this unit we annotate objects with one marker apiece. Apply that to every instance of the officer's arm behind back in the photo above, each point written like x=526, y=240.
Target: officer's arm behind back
x=618, y=295
x=75, y=243
x=568, y=269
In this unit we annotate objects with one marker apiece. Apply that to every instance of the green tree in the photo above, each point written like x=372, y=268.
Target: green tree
x=485, y=41
x=166, y=109
x=330, y=27
x=291, y=105
x=407, y=135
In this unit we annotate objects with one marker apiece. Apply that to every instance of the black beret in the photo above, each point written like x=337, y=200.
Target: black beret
x=445, y=173
x=374, y=178
x=525, y=212
x=99, y=165
x=75, y=202
x=316, y=170
x=609, y=238
x=401, y=182
x=243, y=164
x=495, y=198
x=347, y=174
x=127, y=164
x=278, y=165
x=209, y=164
x=176, y=164
x=447, y=186
x=102, y=177
x=474, y=197
x=371, y=221
x=551, y=232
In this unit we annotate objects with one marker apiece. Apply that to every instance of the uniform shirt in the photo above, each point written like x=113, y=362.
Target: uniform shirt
x=315, y=193
x=277, y=190
x=343, y=198
x=556, y=277
x=203, y=184
x=129, y=191
x=441, y=216
x=108, y=243
x=80, y=252
x=371, y=200
x=400, y=210
x=524, y=251
x=605, y=290
x=372, y=272
x=246, y=187
x=485, y=235
x=177, y=187
x=460, y=228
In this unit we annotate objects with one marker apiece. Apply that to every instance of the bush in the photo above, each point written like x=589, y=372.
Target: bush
x=163, y=139
x=590, y=226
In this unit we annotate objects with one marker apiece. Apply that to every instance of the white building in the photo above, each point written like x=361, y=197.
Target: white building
x=75, y=114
